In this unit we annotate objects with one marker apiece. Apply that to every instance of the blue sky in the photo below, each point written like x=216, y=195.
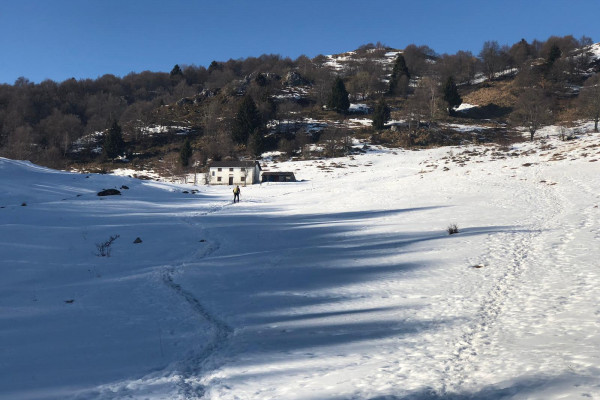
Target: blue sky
x=60, y=39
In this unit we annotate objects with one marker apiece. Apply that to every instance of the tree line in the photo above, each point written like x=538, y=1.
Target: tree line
x=228, y=104
x=549, y=77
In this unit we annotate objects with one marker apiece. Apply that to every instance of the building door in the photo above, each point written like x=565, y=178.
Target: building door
x=231, y=180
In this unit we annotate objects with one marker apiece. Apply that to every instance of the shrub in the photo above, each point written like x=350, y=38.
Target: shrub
x=104, y=247
x=452, y=229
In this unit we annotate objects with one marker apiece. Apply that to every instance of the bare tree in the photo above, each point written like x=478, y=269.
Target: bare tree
x=61, y=129
x=323, y=79
x=217, y=144
x=210, y=116
x=412, y=113
x=491, y=58
x=20, y=143
x=427, y=97
x=532, y=110
x=418, y=59
x=461, y=66
x=589, y=99
x=358, y=86
x=336, y=141
x=521, y=52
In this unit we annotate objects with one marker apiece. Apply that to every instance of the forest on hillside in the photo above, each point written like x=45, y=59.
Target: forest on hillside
x=242, y=107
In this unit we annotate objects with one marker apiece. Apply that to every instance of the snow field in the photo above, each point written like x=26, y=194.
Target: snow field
x=345, y=285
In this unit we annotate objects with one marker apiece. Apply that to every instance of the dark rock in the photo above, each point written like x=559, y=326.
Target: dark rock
x=124, y=187
x=137, y=240
x=109, y=192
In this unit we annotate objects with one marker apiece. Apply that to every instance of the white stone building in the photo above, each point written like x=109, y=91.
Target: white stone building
x=234, y=173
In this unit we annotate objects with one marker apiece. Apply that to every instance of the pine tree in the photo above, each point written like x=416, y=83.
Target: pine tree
x=186, y=153
x=381, y=114
x=176, y=71
x=256, y=143
x=451, y=95
x=214, y=66
x=338, y=100
x=113, y=141
x=554, y=55
x=246, y=120
x=400, y=69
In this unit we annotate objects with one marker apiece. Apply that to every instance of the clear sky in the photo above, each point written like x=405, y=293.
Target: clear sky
x=60, y=39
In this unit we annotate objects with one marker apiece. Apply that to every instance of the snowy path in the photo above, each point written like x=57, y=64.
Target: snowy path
x=513, y=254
x=194, y=366
x=549, y=275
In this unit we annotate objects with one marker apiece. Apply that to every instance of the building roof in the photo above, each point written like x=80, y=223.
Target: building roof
x=234, y=164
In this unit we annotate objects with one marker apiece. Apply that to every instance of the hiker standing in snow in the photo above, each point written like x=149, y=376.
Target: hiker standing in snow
x=236, y=194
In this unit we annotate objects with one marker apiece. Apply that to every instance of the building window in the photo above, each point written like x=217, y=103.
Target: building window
x=243, y=179
x=231, y=169
x=218, y=179
x=219, y=169
x=243, y=169
x=213, y=173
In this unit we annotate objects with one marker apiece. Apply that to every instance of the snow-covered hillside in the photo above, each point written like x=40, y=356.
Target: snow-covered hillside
x=345, y=285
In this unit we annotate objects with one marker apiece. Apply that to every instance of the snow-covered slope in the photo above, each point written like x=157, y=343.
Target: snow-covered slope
x=345, y=285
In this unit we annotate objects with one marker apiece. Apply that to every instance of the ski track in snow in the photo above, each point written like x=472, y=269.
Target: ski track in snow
x=547, y=261
x=191, y=369
x=188, y=372
x=512, y=252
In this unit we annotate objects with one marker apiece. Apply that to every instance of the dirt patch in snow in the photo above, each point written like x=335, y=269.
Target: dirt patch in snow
x=499, y=93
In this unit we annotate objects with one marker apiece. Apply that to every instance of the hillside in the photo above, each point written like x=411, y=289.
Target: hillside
x=65, y=124
x=343, y=285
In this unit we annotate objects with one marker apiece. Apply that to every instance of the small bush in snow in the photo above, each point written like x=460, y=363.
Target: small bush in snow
x=104, y=247
x=452, y=229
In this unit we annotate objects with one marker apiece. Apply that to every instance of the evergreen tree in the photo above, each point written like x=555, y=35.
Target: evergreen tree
x=261, y=80
x=176, y=71
x=256, y=143
x=214, y=66
x=113, y=141
x=246, y=121
x=338, y=100
x=451, y=95
x=381, y=115
x=554, y=55
x=186, y=153
x=400, y=69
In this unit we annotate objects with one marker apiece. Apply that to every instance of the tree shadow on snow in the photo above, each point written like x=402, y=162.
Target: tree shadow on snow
x=292, y=282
